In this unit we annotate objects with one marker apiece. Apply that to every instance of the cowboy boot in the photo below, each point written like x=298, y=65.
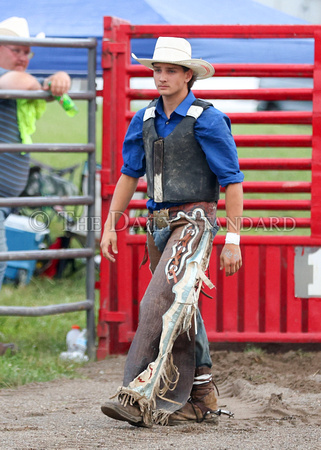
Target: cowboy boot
x=202, y=404
x=126, y=413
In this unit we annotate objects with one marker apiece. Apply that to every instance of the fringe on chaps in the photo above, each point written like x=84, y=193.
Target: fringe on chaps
x=160, y=365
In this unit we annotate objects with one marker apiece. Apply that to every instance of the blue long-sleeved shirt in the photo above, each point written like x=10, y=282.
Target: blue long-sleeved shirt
x=212, y=132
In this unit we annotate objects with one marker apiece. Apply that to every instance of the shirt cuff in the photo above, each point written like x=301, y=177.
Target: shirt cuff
x=238, y=178
x=132, y=173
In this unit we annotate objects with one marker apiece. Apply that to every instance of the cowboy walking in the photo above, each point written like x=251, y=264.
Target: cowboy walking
x=185, y=147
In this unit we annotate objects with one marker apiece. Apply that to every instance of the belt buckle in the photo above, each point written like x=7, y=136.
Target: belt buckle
x=161, y=218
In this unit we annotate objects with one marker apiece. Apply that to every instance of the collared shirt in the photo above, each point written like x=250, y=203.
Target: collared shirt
x=212, y=132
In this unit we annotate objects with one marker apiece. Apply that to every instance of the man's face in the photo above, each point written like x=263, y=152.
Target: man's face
x=171, y=79
x=15, y=57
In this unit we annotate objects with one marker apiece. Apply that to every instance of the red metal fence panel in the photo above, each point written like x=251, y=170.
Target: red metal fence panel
x=259, y=304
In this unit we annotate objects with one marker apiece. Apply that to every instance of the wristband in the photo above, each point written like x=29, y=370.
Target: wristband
x=232, y=238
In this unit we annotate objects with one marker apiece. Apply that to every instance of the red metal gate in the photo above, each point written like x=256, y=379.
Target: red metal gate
x=259, y=303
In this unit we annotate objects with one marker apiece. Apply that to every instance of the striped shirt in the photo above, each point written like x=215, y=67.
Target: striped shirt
x=14, y=167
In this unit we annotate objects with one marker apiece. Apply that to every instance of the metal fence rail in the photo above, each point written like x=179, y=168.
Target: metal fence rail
x=89, y=251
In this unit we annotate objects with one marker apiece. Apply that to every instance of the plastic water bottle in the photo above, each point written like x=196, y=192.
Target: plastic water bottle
x=81, y=341
x=67, y=103
x=71, y=338
x=76, y=345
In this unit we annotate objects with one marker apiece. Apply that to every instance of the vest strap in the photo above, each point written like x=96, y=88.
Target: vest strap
x=194, y=111
x=149, y=113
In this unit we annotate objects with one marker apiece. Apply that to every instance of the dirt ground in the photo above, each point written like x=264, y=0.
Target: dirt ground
x=275, y=396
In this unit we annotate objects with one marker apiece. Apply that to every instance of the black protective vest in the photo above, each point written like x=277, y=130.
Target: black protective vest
x=176, y=166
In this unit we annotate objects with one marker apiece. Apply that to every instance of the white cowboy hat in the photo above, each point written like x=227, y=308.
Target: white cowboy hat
x=172, y=50
x=16, y=26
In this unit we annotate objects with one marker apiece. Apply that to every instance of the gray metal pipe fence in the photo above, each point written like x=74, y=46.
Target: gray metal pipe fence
x=89, y=251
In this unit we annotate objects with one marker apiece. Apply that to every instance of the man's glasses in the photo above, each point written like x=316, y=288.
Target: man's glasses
x=20, y=52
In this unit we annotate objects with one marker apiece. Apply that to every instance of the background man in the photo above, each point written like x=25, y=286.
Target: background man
x=14, y=60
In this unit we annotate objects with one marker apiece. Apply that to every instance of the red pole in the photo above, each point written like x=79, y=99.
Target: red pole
x=113, y=51
x=316, y=142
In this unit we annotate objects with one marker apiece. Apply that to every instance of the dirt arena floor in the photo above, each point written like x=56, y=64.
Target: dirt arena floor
x=275, y=396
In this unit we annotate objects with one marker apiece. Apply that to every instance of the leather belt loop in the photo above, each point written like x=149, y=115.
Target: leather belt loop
x=160, y=218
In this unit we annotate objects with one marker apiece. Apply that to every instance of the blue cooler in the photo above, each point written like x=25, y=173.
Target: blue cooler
x=22, y=236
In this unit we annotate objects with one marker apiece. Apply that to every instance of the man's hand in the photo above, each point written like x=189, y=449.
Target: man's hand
x=231, y=259
x=59, y=83
x=124, y=190
x=109, y=239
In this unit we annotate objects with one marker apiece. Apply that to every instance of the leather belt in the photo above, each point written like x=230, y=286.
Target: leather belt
x=162, y=217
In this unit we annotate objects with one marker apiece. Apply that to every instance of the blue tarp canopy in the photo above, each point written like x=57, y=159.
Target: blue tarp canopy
x=77, y=18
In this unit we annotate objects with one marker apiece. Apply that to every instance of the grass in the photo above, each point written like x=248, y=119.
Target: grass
x=56, y=127
x=40, y=340
x=252, y=349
